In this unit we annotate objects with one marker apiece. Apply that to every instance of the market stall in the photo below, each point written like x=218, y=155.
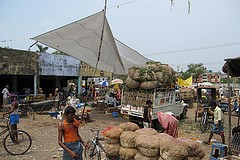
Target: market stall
x=232, y=68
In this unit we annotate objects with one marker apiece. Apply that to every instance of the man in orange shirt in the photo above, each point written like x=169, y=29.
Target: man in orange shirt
x=68, y=129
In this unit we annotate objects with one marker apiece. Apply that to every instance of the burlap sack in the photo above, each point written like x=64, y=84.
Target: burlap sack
x=148, y=145
x=171, y=148
x=140, y=156
x=132, y=83
x=129, y=126
x=193, y=148
x=134, y=73
x=166, y=69
x=148, y=84
x=160, y=77
x=148, y=131
x=112, y=149
x=149, y=76
x=113, y=132
x=192, y=158
x=127, y=139
x=112, y=141
x=127, y=153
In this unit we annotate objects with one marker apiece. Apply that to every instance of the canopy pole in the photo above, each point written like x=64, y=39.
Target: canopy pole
x=101, y=40
x=229, y=112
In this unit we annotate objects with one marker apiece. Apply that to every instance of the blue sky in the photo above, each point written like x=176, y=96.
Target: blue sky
x=154, y=28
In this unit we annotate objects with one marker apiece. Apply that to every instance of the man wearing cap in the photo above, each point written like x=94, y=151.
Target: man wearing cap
x=217, y=127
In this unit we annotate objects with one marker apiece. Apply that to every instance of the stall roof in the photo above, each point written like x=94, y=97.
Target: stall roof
x=233, y=66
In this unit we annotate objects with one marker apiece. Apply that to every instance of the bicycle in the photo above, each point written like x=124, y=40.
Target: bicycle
x=93, y=151
x=15, y=142
x=204, y=124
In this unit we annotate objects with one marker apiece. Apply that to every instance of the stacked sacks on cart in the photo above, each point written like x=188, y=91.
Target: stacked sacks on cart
x=151, y=76
x=148, y=144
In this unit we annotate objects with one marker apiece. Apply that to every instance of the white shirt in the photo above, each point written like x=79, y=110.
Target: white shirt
x=5, y=93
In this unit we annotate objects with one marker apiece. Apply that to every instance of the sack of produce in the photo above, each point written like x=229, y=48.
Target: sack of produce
x=127, y=153
x=171, y=148
x=140, y=156
x=166, y=69
x=160, y=77
x=134, y=73
x=148, y=75
x=148, y=145
x=129, y=126
x=112, y=140
x=113, y=132
x=127, y=139
x=112, y=149
x=132, y=83
x=148, y=131
x=149, y=84
x=194, y=148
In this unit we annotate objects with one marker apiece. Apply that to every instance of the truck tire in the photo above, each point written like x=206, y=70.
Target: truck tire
x=183, y=115
x=156, y=125
x=136, y=120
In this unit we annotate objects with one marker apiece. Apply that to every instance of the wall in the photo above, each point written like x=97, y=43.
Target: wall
x=17, y=62
x=58, y=65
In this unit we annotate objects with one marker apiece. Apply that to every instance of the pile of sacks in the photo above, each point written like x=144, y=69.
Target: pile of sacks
x=153, y=75
x=132, y=143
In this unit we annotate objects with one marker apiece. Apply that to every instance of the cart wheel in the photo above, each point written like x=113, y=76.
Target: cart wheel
x=46, y=107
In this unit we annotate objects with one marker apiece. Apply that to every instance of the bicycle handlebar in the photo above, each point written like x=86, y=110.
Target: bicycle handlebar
x=94, y=129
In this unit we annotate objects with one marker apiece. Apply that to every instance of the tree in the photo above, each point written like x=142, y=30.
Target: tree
x=41, y=48
x=195, y=70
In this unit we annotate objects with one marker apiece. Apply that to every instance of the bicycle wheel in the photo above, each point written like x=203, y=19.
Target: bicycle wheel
x=91, y=151
x=30, y=113
x=204, y=123
x=17, y=143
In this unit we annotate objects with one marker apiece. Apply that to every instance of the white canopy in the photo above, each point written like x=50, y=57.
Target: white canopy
x=129, y=56
x=81, y=39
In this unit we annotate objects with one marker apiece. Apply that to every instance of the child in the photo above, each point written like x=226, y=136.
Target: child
x=68, y=129
x=14, y=117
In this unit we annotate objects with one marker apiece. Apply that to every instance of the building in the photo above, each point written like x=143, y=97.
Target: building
x=212, y=77
x=42, y=71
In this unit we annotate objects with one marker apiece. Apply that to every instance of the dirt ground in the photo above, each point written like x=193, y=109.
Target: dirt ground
x=43, y=131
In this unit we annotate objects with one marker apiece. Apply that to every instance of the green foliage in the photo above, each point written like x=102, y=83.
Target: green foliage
x=195, y=70
x=41, y=48
x=59, y=53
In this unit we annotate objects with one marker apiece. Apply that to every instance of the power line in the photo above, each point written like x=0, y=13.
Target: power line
x=11, y=40
x=195, y=49
x=117, y=6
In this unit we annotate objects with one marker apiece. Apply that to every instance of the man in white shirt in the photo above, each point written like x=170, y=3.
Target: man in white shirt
x=5, y=93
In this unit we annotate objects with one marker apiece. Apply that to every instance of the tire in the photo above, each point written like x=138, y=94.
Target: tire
x=183, y=115
x=46, y=107
x=91, y=152
x=30, y=113
x=204, y=123
x=17, y=148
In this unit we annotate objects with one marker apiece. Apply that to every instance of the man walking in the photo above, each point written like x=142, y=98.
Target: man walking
x=5, y=93
x=217, y=127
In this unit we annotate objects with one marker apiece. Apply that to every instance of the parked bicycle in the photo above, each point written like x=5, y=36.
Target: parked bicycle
x=15, y=142
x=95, y=147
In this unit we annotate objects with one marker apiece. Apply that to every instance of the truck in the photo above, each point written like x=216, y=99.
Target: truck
x=164, y=100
